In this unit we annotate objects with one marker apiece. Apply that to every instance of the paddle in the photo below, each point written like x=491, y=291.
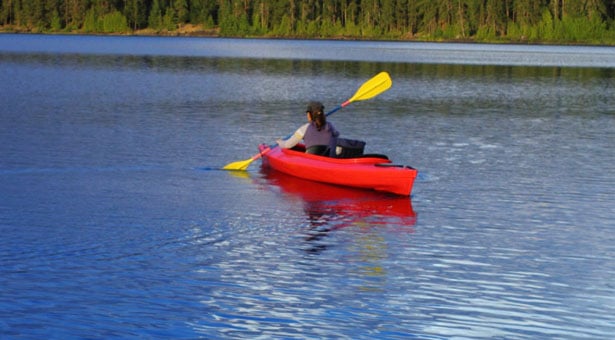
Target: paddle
x=371, y=88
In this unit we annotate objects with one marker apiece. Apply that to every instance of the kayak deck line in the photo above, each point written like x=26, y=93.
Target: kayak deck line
x=375, y=172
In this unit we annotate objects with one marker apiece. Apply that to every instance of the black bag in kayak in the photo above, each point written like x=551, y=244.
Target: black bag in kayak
x=347, y=148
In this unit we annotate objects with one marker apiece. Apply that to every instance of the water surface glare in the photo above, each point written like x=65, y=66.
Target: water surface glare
x=360, y=51
x=117, y=221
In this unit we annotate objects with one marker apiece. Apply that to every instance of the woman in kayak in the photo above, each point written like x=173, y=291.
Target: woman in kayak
x=317, y=133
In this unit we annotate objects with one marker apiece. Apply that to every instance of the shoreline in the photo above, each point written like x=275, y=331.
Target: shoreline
x=197, y=31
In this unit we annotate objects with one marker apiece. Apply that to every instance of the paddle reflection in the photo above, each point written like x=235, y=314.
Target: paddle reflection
x=330, y=207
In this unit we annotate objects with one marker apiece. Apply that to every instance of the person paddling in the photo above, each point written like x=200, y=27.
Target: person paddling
x=317, y=133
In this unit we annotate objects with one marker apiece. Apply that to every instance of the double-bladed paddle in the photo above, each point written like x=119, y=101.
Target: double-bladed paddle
x=371, y=88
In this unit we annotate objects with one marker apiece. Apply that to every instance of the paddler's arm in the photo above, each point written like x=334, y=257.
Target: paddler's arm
x=294, y=139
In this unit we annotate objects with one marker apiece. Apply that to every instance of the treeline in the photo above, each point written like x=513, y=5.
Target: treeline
x=558, y=21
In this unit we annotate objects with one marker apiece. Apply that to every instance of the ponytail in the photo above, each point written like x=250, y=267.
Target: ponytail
x=317, y=115
x=319, y=119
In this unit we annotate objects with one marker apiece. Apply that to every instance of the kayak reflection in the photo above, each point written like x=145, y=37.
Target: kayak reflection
x=330, y=207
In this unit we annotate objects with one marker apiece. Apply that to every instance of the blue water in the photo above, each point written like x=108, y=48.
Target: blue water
x=117, y=221
x=360, y=51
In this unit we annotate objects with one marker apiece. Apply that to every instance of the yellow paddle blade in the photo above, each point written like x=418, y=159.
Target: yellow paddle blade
x=243, y=165
x=373, y=87
x=239, y=165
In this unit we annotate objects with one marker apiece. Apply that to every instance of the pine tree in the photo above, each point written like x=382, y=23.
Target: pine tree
x=155, y=16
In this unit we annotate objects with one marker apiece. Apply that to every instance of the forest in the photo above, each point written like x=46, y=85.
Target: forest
x=532, y=21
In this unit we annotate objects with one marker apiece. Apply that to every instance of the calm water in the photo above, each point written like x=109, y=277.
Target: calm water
x=116, y=221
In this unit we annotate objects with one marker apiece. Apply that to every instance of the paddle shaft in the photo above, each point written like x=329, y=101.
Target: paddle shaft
x=344, y=104
x=373, y=87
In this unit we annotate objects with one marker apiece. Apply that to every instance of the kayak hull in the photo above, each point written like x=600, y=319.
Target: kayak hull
x=366, y=172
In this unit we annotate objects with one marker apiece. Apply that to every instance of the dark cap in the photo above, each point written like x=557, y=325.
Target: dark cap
x=314, y=107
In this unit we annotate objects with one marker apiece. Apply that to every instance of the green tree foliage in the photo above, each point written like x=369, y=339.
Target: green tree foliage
x=557, y=21
x=135, y=13
x=154, y=19
x=114, y=22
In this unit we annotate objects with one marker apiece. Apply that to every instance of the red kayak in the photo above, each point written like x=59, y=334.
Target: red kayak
x=374, y=172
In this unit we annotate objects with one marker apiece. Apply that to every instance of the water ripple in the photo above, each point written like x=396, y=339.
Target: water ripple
x=114, y=225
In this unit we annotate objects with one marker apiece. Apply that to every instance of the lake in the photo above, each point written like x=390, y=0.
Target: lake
x=118, y=222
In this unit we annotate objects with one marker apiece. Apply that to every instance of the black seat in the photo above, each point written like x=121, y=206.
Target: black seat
x=321, y=150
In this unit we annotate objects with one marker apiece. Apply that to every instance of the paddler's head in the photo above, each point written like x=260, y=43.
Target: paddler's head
x=316, y=113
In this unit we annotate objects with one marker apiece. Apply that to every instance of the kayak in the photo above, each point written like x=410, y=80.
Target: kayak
x=375, y=172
